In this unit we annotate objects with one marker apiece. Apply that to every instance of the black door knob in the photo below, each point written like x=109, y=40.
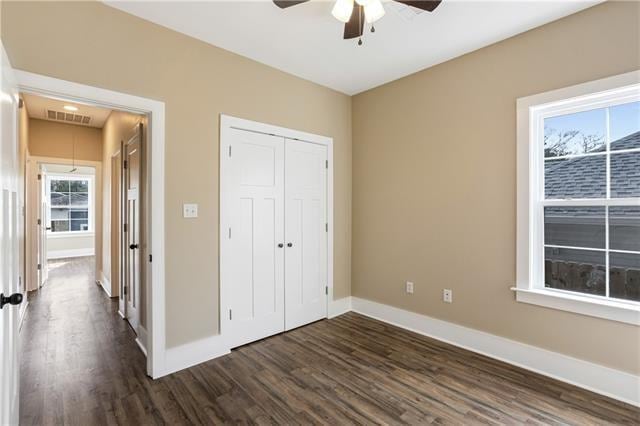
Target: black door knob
x=280, y=245
x=133, y=246
x=14, y=299
x=289, y=244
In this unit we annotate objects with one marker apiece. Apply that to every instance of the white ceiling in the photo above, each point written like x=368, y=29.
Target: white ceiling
x=306, y=41
x=37, y=107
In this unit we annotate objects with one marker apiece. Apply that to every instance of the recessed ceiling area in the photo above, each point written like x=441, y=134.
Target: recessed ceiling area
x=54, y=110
x=306, y=40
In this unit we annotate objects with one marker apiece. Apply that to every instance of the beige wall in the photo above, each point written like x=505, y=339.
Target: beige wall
x=51, y=139
x=434, y=182
x=197, y=82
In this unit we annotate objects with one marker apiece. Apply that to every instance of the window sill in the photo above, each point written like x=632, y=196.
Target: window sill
x=608, y=309
x=79, y=234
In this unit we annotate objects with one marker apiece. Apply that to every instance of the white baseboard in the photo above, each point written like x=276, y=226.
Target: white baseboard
x=193, y=353
x=105, y=284
x=339, y=307
x=63, y=254
x=141, y=340
x=606, y=381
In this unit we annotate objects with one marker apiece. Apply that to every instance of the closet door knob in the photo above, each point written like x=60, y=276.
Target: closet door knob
x=289, y=244
x=280, y=245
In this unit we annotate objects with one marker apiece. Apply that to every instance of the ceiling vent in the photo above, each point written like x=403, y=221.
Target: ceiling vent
x=68, y=117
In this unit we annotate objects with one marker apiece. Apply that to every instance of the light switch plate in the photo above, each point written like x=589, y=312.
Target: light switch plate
x=409, y=287
x=189, y=211
x=447, y=295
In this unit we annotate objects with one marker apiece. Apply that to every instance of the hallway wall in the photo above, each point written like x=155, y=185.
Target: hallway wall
x=51, y=139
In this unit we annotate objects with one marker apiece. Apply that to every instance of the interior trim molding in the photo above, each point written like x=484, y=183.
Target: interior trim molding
x=193, y=353
x=603, y=380
x=63, y=254
x=141, y=339
x=339, y=307
x=105, y=284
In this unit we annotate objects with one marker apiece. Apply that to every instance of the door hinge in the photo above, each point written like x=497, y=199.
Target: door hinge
x=326, y=290
x=39, y=176
x=150, y=258
x=124, y=227
x=326, y=164
x=230, y=315
x=229, y=151
x=326, y=227
x=125, y=164
x=229, y=232
x=125, y=290
x=20, y=103
x=39, y=266
x=39, y=222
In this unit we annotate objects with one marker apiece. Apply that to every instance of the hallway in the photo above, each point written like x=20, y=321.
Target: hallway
x=77, y=354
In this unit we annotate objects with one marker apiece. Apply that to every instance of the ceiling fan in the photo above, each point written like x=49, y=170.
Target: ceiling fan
x=354, y=13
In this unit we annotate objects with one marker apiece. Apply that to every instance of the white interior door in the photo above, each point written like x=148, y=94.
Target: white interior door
x=305, y=233
x=132, y=237
x=255, y=256
x=44, y=224
x=9, y=260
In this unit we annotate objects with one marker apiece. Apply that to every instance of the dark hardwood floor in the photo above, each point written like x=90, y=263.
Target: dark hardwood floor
x=80, y=365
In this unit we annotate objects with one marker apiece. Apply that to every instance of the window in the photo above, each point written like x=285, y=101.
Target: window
x=579, y=199
x=70, y=203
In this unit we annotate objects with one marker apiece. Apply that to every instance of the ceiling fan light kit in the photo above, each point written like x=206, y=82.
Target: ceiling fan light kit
x=354, y=13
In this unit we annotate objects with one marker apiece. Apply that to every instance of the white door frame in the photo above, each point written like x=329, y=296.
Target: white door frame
x=155, y=110
x=31, y=208
x=226, y=124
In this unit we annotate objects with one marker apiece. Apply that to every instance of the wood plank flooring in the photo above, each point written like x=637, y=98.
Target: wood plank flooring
x=80, y=365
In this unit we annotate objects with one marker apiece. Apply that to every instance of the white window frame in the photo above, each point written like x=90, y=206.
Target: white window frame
x=531, y=112
x=91, y=203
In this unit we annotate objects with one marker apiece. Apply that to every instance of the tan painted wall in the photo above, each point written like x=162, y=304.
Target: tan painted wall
x=197, y=82
x=434, y=182
x=23, y=152
x=51, y=139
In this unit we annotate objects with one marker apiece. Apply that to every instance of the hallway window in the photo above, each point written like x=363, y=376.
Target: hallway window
x=69, y=203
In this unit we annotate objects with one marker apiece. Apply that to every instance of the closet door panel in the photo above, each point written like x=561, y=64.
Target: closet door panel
x=256, y=279
x=305, y=233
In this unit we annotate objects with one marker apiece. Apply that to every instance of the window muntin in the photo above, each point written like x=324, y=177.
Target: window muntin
x=69, y=204
x=589, y=208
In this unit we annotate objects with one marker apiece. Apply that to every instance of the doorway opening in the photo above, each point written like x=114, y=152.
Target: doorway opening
x=86, y=192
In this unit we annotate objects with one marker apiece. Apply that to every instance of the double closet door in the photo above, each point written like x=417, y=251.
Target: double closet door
x=276, y=253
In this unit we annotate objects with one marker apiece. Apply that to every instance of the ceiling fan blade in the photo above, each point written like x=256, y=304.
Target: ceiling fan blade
x=428, y=5
x=355, y=26
x=283, y=4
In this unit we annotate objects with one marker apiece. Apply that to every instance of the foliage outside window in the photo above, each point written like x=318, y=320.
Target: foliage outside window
x=69, y=204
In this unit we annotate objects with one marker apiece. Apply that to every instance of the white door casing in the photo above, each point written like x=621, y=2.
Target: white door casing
x=305, y=233
x=255, y=234
x=9, y=261
x=42, y=225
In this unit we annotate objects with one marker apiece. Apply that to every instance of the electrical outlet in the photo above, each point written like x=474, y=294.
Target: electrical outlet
x=447, y=295
x=409, y=287
x=189, y=210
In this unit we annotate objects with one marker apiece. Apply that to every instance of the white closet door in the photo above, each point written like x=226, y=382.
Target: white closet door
x=255, y=281
x=305, y=233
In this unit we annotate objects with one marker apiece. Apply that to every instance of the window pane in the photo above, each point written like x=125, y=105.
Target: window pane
x=79, y=214
x=625, y=126
x=625, y=175
x=624, y=228
x=79, y=199
x=59, y=199
x=79, y=186
x=59, y=186
x=59, y=225
x=575, y=226
x=624, y=281
x=582, y=271
x=582, y=177
x=59, y=214
x=575, y=133
x=79, y=225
